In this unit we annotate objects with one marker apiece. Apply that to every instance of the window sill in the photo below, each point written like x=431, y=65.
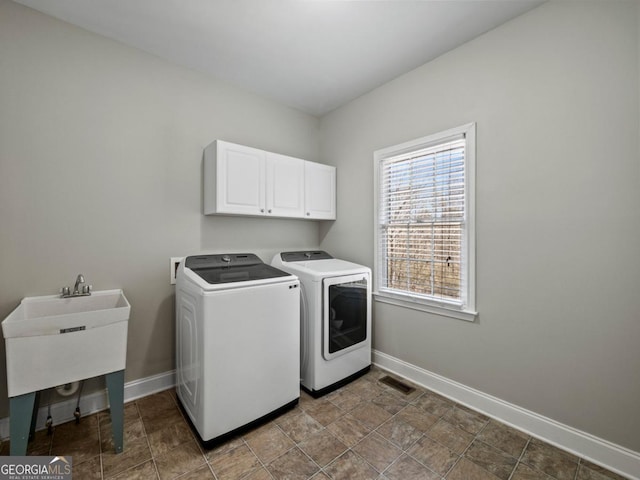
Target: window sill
x=445, y=311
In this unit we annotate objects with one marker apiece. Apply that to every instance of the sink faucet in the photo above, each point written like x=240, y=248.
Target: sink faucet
x=86, y=289
x=79, y=280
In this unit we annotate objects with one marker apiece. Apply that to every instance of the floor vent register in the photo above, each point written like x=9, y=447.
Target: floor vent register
x=397, y=384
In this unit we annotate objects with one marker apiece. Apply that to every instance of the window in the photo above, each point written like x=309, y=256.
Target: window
x=425, y=248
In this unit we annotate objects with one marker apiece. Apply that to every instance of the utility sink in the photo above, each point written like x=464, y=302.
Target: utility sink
x=52, y=341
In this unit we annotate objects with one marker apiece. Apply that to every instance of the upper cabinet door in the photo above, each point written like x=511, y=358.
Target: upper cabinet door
x=319, y=191
x=285, y=186
x=239, y=174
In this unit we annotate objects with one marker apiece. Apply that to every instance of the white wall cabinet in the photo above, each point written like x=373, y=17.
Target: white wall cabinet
x=241, y=180
x=285, y=186
x=238, y=177
x=319, y=191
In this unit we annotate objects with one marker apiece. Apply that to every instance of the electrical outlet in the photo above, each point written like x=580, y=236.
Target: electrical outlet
x=175, y=262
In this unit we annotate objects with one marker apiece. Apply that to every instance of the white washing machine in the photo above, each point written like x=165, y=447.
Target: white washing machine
x=237, y=342
x=335, y=318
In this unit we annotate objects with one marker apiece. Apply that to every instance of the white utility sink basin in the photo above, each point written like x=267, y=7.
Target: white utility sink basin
x=51, y=340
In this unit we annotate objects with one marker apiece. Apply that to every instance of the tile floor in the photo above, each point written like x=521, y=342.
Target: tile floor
x=365, y=430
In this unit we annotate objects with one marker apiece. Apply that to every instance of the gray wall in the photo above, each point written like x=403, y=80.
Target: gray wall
x=555, y=97
x=100, y=173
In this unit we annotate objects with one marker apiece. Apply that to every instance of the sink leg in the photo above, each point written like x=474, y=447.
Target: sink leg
x=20, y=416
x=115, y=390
x=34, y=417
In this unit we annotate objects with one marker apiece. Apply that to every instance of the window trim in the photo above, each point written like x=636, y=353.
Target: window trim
x=468, y=311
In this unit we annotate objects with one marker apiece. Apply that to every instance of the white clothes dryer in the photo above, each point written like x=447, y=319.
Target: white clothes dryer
x=237, y=342
x=335, y=318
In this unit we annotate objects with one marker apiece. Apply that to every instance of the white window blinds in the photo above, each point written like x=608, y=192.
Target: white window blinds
x=421, y=222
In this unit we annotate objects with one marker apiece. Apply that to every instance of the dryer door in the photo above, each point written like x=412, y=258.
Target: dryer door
x=346, y=314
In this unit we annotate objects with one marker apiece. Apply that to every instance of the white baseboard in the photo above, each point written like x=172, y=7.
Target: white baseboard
x=602, y=452
x=62, y=412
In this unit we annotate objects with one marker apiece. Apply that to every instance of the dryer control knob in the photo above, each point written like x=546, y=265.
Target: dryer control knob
x=226, y=258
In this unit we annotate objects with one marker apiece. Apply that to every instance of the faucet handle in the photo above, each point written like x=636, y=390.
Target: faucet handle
x=65, y=291
x=86, y=289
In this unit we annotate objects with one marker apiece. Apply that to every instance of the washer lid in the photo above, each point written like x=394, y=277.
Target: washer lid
x=232, y=267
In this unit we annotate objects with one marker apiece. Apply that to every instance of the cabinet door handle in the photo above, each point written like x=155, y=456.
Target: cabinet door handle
x=269, y=211
x=262, y=210
x=308, y=214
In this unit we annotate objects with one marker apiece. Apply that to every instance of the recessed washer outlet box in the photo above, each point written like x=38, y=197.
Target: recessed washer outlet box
x=175, y=262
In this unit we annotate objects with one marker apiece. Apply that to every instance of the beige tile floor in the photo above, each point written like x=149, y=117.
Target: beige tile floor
x=365, y=430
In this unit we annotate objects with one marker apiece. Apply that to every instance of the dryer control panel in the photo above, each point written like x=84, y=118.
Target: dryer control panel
x=305, y=256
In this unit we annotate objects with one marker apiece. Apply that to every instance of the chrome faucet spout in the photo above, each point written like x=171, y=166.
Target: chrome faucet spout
x=79, y=280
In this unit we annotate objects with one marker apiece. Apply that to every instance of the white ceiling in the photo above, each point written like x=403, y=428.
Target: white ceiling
x=313, y=55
